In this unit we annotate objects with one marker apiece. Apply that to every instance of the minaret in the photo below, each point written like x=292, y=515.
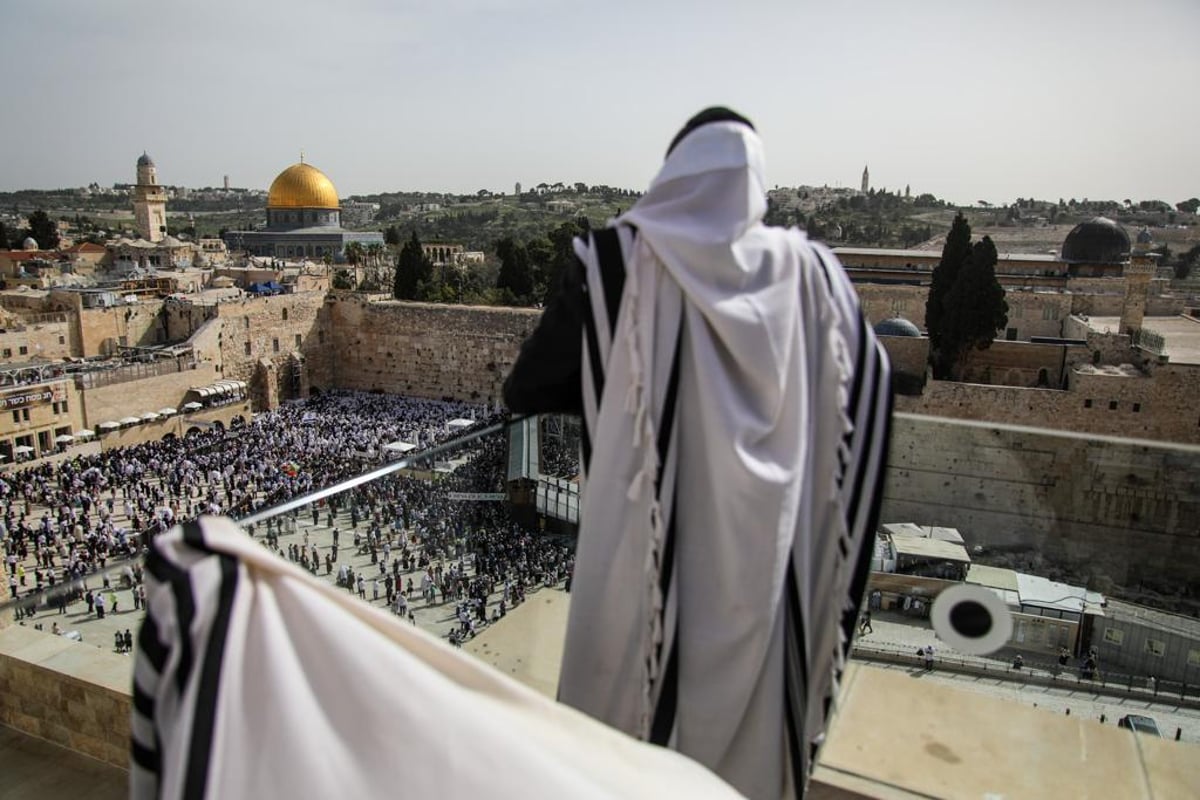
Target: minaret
x=1137, y=285
x=149, y=201
x=866, y=183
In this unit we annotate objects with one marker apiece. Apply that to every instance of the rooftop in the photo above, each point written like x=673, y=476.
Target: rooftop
x=1181, y=334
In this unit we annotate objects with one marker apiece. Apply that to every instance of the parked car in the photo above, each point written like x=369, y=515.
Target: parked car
x=1139, y=724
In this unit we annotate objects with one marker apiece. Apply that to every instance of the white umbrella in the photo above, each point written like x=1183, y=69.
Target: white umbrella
x=108, y=426
x=64, y=438
x=22, y=449
x=84, y=433
x=150, y=416
x=192, y=406
x=166, y=412
x=130, y=421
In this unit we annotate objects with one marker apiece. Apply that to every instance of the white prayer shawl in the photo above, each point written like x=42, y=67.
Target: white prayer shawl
x=732, y=358
x=252, y=679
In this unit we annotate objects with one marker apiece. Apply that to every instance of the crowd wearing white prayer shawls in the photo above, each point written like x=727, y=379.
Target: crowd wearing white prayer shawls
x=61, y=522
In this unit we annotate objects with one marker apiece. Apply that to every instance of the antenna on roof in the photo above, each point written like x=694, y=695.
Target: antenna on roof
x=302, y=155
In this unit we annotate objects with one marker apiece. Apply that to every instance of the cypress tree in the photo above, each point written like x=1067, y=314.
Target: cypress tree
x=976, y=308
x=955, y=254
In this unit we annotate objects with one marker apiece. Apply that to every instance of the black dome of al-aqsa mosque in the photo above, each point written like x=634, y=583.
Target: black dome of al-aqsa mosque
x=897, y=326
x=1097, y=241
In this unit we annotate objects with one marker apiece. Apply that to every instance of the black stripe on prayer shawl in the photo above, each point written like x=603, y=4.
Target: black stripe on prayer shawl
x=612, y=272
x=185, y=609
x=663, y=722
x=593, y=345
x=144, y=757
x=879, y=416
x=204, y=722
x=795, y=682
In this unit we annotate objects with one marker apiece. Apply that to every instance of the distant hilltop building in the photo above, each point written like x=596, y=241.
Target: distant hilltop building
x=304, y=220
x=149, y=201
x=866, y=180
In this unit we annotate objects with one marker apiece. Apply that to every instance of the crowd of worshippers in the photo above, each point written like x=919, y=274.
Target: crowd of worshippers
x=425, y=547
x=60, y=522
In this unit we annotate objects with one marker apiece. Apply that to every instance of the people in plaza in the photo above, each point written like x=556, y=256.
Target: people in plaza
x=84, y=510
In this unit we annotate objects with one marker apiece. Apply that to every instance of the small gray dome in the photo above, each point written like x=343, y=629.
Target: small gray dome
x=29, y=244
x=1144, y=236
x=897, y=326
x=145, y=160
x=1097, y=241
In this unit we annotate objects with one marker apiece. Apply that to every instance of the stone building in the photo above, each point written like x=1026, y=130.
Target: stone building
x=304, y=220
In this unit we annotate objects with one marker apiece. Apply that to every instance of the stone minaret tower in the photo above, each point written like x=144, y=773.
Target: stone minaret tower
x=149, y=201
x=1137, y=284
x=866, y=182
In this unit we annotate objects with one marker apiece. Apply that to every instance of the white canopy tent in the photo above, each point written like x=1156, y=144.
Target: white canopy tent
x=84, y=433
x=64, y=438
x=130, y=421
x=166, y=412
x=150, y=416
x=108, y=426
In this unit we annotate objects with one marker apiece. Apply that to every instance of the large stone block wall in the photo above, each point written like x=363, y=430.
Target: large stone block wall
x=65, y=692
x=1022, y=363
x=426, y=350
x=1166, y=406
x=101, y=329
x=908, y=354
x=1113, y=513
x=884, y=301
x=260, y=340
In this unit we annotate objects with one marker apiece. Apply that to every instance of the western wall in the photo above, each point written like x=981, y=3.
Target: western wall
x=1102, y=511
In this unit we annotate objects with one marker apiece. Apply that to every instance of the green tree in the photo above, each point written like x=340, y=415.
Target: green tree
x=391, y=235
x=516, y=275
x=6, y=235
x=1187, y=262
x=43, y=229
x=1189, y=206
x=413, y=270
x=975, y=308
x=955, y=253
x=343, y=280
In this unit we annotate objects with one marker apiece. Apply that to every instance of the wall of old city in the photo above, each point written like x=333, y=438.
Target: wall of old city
x=887, y=301
x=1098, y=510
x=1160, y=406
x=908, y=355
x=279, y=345
x=426, y=350
x=1023, y=363
x=102, y=330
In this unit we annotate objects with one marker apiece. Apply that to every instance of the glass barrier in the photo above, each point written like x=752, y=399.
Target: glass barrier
x=1084, y=546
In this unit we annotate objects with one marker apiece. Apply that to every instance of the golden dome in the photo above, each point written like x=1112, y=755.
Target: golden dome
x=302, y=186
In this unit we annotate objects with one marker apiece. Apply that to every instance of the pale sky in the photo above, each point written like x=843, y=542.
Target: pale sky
x=968, y=99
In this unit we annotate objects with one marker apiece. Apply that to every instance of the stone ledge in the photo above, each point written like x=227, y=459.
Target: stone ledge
x=898, y=738
x=67, y=693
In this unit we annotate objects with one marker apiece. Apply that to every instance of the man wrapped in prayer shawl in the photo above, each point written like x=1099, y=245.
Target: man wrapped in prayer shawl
x=736, y=409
